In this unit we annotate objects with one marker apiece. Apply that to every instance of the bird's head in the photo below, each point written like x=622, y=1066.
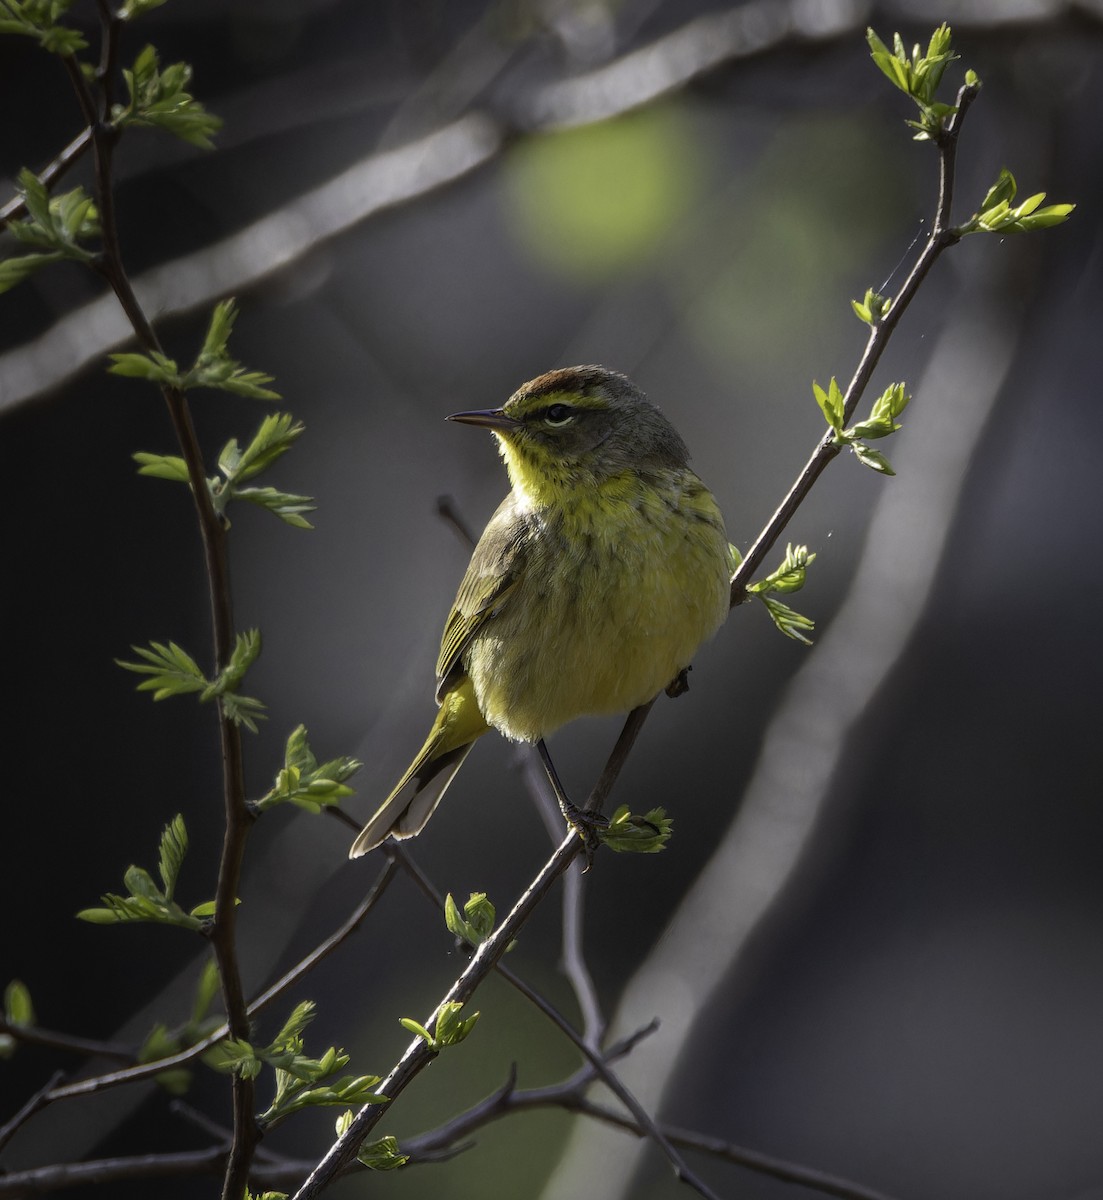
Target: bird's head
x=578, y=427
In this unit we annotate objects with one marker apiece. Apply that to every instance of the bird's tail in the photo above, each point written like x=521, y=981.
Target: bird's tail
x=408, y=808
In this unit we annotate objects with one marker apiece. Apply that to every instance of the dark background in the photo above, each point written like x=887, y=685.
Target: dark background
x=919, y=1011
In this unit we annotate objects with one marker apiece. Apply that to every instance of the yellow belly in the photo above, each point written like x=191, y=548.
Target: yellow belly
x=617, y=595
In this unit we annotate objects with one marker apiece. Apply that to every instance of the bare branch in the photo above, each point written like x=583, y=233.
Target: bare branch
x=36, y=1102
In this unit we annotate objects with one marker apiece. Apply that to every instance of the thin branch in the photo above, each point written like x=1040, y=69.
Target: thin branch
x=33, y=1035
x=645, y=1123
x=763, y=1164
x=16, y=1185
x=580, y=1041
x=49, y=175
x=325, y=948
x=36, y=1102
x=941, y=236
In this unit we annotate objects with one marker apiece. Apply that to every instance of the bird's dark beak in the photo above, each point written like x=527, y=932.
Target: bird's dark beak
x=488, y=418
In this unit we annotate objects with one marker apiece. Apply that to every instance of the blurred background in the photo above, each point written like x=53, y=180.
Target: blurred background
x=876, y=941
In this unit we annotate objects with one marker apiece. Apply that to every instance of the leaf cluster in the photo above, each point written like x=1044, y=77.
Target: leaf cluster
x=172, y=671
x=301, y=1081
x=237, y=466
x=54, y=226
x=213, y=366
x=148, y=902
x=789, y=577
x=919, y=76
x=450, y=1030
x=39, y=19
x=160, y=98
x=629, y=833
x=382, y=1154
x=880, y=422
x=475, y=924
x=303, y=781
x=996, y=214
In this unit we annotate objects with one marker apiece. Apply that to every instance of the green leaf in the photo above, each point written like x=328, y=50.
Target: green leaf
x=174, y=845
x=234, y=1056
x=873, y=308
x=631, y=834
x=301, y=1016
x=1044, y=218
x=790, y=623
x=206, y=989
x=214, y=368
x=154, y=366
x=872, y=458
x=382, y=1155
x=274, y=437
x=286, y=505
x=133, y=9
x=451, y=1027
x=414, y=1027
x=243, y=710
x=162, y=466
x=831, y=402
x=246, y=650
x=18, y=1009
x=475, y=924
x=789, y=577
x=14, y=270
x=1001, y=192
x=171, y=670
x=882, y=418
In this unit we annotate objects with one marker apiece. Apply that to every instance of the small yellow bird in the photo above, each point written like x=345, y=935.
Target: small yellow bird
x=597, y=579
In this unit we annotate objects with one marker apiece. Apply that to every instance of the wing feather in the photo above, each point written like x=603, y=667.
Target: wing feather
x=497, y=564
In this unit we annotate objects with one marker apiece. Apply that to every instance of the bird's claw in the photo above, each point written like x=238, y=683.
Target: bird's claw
x=588, y=825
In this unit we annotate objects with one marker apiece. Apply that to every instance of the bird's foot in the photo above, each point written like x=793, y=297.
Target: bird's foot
x=679, y=685
x=588, y=825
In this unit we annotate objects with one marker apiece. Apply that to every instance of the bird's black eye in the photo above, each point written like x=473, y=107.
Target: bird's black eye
x=558, y=415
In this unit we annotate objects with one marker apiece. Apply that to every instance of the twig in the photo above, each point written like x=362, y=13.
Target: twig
x=32, y=1035
x=36, y=1102
x=580, y=1041
x=941, y=236
x=17, y=1185
x=763, y=1164
x=49, y=175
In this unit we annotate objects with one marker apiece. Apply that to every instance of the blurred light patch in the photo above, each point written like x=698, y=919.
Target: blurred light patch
x=780, y=252
x=587, y=203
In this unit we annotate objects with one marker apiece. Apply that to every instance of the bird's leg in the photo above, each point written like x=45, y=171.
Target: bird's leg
x=585, y=823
